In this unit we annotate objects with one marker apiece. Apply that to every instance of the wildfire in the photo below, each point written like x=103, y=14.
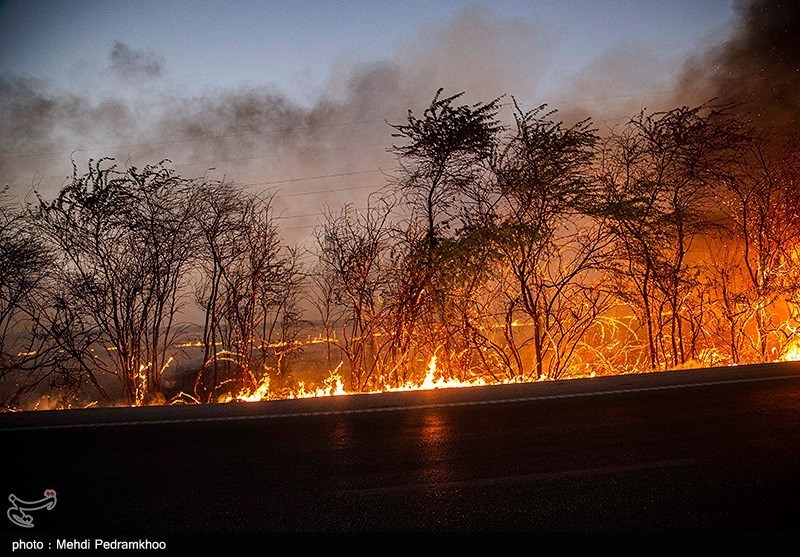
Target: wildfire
x=432, y=382
x=792, y=351
x=334, y=386
x=261, y=392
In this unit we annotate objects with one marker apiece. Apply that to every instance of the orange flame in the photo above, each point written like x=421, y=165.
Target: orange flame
x=334, y=386
x=792, y=351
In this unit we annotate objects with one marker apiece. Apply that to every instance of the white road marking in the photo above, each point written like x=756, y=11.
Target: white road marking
x=396, y=408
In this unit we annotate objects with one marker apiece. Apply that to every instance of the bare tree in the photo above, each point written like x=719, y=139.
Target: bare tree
x=124, y=242
x=760, y=196
x=24, y=263
x=353, y=250
x=659, y=173
x=549, y=238
x=323, y=298
x=26, y=358
x=247, y=288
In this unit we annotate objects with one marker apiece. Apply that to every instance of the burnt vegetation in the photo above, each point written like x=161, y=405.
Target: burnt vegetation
x=509, y=245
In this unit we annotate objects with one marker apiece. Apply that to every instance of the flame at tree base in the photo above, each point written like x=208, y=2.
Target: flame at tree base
x=334, y=386
x=433, y=379
x=432, y=382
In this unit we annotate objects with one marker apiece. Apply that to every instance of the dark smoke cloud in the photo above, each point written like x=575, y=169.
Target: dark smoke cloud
x=257, y=134
x=129, y=63
x=758, y=64
x=39, y=128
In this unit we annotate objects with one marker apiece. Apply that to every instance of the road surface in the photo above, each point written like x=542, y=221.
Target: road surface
x=691, y=450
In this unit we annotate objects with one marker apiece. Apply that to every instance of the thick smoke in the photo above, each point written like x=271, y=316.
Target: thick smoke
x=258, y=135
x=617, y=84
x=134, y=64
x=758, y=65
x=755, y=64
x=39, y=129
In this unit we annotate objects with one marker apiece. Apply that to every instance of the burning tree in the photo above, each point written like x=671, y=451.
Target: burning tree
x=445, y=155
x=543, y=227
x=757, y=286
x=247, y=286
x=354, y=272
x=123, y=240
x=659, y=173
x=538, y=251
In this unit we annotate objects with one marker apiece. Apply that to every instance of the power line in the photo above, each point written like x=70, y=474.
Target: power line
x=62, y=177
x=318, y=214
x=308, y=178
x=351, y=188
x=289, y=180
x=300, y=227
x=277, y=155
x=281, y=217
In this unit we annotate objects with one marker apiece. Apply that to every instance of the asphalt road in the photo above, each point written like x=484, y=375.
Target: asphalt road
x=695, y=450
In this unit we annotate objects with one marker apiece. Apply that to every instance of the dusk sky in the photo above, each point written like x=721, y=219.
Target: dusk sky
x=272, y=93
x=296, y=44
